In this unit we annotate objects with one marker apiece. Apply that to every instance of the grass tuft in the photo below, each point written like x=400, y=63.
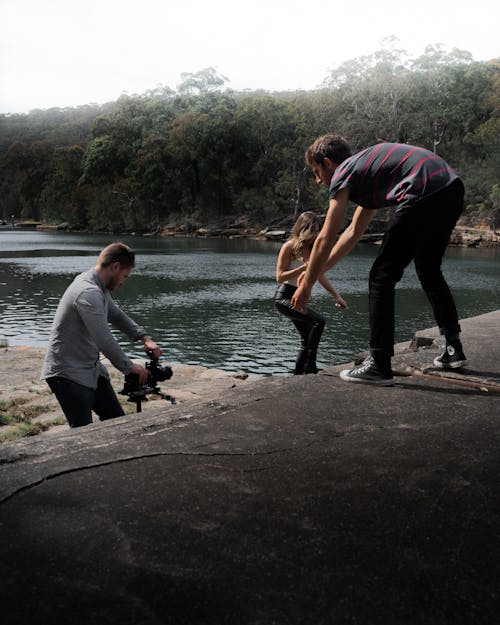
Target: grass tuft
x=28, y=428
x=19, y=415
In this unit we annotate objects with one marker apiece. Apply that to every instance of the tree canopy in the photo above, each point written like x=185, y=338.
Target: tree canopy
x=200, y=153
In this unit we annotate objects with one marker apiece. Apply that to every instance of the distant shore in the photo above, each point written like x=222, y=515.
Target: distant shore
x=462, y=235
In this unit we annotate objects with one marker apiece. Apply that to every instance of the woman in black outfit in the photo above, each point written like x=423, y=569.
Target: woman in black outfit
x=292, y=262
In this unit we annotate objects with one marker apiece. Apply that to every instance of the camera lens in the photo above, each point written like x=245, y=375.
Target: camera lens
x=164, y=373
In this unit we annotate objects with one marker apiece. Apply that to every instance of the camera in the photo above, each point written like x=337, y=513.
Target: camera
x=138, y=392
x=157, y=372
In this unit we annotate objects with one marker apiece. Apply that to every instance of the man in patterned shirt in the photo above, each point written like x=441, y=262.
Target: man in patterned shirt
x=428, y=197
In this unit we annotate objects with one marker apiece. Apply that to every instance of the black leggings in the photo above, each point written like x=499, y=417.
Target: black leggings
x=310, y=326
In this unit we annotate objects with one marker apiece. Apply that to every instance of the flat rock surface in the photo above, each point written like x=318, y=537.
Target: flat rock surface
x=20, y=384
x=288, y=500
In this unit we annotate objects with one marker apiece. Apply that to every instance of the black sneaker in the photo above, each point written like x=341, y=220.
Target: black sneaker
x=451, y=358
x=368, y=373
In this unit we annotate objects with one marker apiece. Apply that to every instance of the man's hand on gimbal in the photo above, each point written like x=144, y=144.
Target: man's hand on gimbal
x=151, y=348
x=141, y=372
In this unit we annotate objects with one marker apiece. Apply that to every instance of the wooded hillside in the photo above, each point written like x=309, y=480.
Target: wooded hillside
x=201, y=154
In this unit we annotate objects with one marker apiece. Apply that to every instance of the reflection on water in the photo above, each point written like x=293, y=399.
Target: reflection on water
x=210, y=301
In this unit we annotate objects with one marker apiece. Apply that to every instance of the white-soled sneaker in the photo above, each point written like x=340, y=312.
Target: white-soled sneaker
x=451, y=358
x=368, y=373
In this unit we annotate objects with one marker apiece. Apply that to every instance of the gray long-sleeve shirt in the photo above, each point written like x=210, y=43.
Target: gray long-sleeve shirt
x=81, y=331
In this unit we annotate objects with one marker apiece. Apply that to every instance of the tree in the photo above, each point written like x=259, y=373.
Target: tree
x=372, y=90
x=205, y=81
x=437, y=80
x=31, y=163
x=202, y=146
x=485, y=136
x=201, y=154
x=270, y=155
x=57, y=194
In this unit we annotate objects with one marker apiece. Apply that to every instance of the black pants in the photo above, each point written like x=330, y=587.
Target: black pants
x=420, y=233
x=77, y=401
x=310, y=326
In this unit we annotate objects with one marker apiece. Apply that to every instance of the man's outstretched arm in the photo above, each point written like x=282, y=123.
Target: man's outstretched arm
x=350, y=236
x=322, y=248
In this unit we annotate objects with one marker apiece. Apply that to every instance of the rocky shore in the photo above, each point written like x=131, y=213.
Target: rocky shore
x=465, y=236
x=462, y=236
x=28, y=408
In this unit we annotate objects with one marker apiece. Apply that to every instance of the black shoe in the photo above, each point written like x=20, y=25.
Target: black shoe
x=451, y=358
x=300, y=361
x=368, y=373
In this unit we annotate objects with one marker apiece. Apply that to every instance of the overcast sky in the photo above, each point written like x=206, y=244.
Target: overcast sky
x=58, y=53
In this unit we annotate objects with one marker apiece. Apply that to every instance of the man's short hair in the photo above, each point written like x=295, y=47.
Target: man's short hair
x=334, y=147
x=117, y=253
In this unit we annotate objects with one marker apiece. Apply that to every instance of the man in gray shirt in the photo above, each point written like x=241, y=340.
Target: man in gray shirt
x=80, y=332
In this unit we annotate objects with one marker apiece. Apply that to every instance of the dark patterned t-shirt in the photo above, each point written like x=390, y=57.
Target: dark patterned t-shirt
x=391, y=174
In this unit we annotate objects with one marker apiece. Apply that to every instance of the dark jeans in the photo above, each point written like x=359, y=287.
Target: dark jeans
x=77, y=401
x=419, y=233
x=310, y=326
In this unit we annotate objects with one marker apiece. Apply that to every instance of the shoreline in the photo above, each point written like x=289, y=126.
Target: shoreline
x=35, y=410
x=28, y=408
x=462, y=235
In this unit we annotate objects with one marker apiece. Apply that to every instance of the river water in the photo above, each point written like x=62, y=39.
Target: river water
x=210, y=301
